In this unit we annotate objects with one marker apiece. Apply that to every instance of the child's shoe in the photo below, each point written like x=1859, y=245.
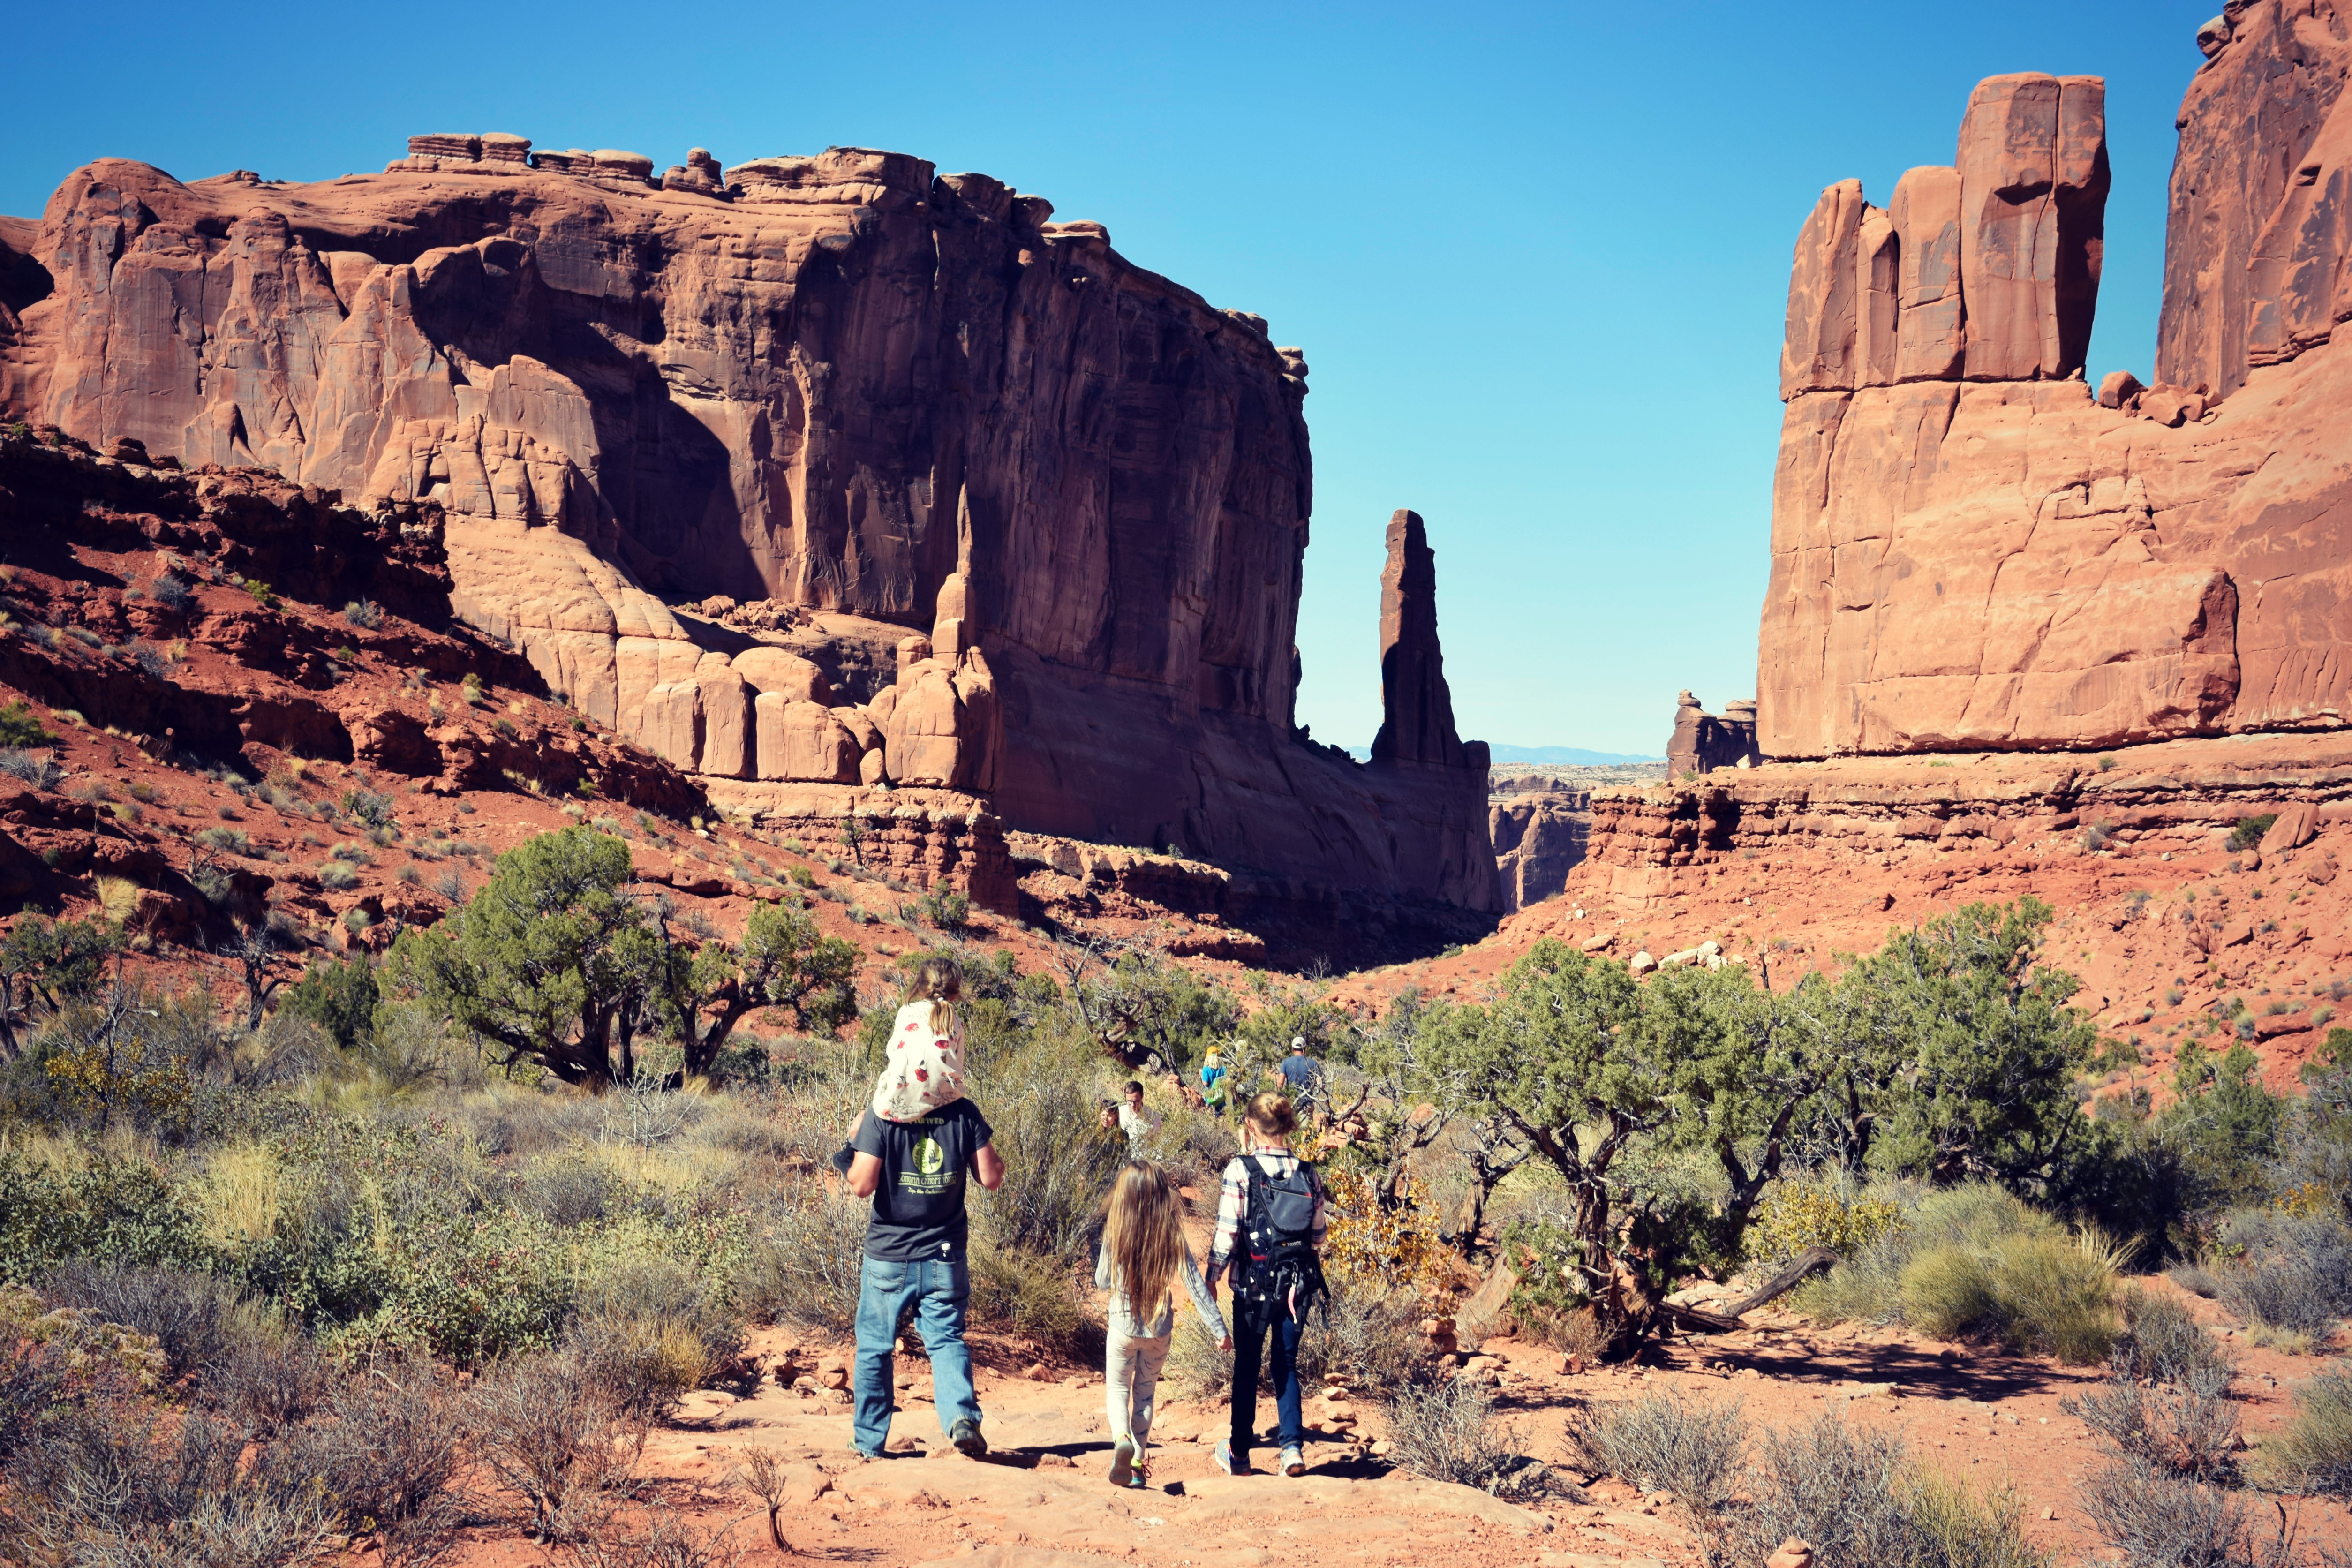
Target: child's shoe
x=1228, y=1463
x=1122, y=1461
x=1294, y=1462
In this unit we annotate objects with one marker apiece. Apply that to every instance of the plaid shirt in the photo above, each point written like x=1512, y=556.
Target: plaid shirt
x=1235, y=1199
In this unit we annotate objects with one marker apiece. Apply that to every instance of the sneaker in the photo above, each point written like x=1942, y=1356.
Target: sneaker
x=1140, y=1482
x=965, y=1435
x=1294, y=1462
x=1122, y=1461
x=1229, y=1463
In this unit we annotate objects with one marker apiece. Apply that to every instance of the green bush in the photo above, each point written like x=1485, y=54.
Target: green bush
x=1974, y=1261
x=2249, y=831
x=19, y=728
x=340, y=998
x=114, y=1209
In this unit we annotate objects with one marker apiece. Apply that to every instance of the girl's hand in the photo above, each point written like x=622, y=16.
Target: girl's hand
x=1226, y=1343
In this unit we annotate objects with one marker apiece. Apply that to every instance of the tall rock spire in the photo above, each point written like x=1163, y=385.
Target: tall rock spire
x=1416, y=708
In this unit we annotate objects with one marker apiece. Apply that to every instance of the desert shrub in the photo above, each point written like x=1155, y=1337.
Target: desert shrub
x=947, y=909
x=267, y=1380
x=2249, y=831
x=2162, y=1522
x=2313, y=1451
x=1058, y=1160
x=2294, y=1278
x=2189, y=1429
x=19, y=727
x=1027, y=1293
x=805, y=1261
x=385, y=1445
x=55, y=1360
x=117, y=1483
x=1975, y=1260
x=111, y=1208
x=1369, y=1340
x=335, y=874
x=649, y=1329
x=197, y=1318
x=1665, y=1442
x=171, y=591
x=1956, y=1528
x=2163, y=1344
x=566, y=1190
x=2195, y=1279
x=227, y=840
x=555, y=1437
x=41, y=772
x=1838, y=1488
x=1447, y=1430
x=382, y=1238
x=1801, y=1214
x=364, y=614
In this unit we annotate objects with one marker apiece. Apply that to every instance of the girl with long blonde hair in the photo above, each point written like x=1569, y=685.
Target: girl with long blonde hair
x=1143, y=1255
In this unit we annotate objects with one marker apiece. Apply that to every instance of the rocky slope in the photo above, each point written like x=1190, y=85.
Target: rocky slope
x=975, y=507
x=1969, y=550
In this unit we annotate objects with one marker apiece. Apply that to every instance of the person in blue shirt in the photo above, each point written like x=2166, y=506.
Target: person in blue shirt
x=1299, y=1072
x=1213, y=1074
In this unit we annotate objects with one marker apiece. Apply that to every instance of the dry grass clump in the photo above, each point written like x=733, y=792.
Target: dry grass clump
x=2294, y=1279
x=2165, y=1400
x=1852, y=1493
x=649, y=1330
x=805, y=1260
x=384, y=1447
x=560, y=1442
x=1029, y=1295
x=1665, y=1442
x=2314, y=1452
x=1445, y=1429
x=2165, y=1521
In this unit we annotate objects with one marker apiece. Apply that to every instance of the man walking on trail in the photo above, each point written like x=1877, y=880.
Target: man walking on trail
x=1298, y=1071
x=914, y=1171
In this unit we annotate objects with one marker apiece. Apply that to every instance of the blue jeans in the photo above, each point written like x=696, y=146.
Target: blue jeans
x=940, y=1289
x=1249, y=1334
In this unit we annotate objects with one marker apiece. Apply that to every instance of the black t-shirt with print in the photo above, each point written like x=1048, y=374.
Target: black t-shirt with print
x=919, y=1204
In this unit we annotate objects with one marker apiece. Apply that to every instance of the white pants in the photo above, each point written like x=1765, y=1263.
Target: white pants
x=1130, y=1375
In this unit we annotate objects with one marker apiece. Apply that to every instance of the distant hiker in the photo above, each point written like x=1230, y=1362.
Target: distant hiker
x=1269, y=1228
x=1135, y=1120
x=1106, y=1115
x=1300, y=1075
x=1213, y=1074
x=922, y=1065
x=914, y=1170
x=1143, y=1255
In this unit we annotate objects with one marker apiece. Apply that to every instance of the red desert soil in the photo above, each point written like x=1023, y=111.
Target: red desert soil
x=1041, y=1499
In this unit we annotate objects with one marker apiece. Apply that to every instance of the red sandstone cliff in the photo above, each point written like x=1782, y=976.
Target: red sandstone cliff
x=1044, y=510
x=1969, y=550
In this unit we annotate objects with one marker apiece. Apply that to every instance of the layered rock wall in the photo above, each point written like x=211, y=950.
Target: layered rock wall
x=1968, y=551
x=1064, y=497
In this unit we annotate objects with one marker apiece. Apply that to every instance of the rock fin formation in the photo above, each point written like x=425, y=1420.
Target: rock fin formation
x=1022, y=521
x=1971, y=552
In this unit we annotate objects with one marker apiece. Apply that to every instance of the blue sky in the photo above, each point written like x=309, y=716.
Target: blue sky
x=1537, y=256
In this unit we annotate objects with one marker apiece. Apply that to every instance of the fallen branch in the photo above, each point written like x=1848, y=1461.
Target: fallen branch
x=1811, y=1261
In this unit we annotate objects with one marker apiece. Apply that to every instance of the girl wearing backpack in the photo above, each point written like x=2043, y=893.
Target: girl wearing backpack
x=1269, y=1228
x=1143, y=1255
